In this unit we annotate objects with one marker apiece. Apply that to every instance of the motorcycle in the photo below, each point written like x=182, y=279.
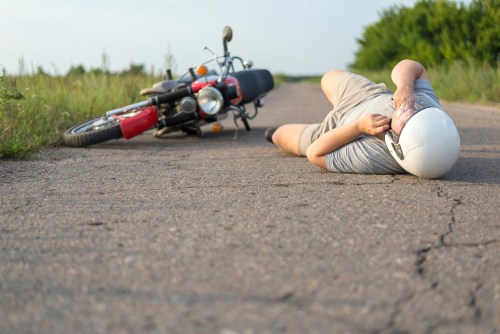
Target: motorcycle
x=195, y=99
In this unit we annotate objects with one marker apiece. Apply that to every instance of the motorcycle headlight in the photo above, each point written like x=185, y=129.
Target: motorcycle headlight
x=210, y=100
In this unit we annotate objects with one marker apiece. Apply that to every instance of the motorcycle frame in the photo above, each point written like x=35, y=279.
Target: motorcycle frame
x=225, y=63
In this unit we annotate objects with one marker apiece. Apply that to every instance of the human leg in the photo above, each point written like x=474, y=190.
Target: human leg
x=346, y=90
x=327, y=83
x=287, y=137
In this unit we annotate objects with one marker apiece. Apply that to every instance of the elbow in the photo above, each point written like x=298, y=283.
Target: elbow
x=407, y=62
x=408, y=67
x=318, y=160
x=410, y=64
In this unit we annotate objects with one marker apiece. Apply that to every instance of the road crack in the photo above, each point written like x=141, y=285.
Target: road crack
x=422, y=257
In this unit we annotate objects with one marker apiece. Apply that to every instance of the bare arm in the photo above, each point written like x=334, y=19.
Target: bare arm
x=373, y=124
x=404, y=75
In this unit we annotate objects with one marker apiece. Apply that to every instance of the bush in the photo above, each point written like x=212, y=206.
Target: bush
x=433, y=32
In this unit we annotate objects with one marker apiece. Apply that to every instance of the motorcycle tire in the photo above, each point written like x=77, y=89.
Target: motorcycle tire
x=92, y=132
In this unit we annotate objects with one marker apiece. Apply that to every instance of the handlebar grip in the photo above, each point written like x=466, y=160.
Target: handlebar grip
x=171, y=96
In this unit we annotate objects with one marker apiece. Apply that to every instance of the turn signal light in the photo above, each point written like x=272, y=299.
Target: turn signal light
x=202, y=70
x=218, y=128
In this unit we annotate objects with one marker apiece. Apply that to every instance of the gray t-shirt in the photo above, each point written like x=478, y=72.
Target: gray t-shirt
x=368, y=154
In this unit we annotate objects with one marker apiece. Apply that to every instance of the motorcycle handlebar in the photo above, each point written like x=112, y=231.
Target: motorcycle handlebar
x=254, y=84
x=171, y=96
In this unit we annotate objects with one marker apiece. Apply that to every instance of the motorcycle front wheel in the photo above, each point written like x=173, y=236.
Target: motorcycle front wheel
x=92, y=132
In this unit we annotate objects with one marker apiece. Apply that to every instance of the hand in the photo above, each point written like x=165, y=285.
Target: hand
x=404, y=95
x=373, y=124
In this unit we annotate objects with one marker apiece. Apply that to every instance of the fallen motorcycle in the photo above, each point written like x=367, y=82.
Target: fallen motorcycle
x=199, y=97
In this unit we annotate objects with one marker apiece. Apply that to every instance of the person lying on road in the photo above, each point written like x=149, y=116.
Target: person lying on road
x=372, y=130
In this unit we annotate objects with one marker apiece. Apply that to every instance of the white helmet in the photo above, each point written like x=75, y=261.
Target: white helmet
x=428, y=145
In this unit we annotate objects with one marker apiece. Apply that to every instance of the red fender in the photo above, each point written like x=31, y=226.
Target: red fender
x=137, y=124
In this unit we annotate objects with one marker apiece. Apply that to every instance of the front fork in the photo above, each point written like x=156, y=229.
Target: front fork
x=241, y=112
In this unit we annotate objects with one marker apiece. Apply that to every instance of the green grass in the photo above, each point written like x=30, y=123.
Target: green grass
x=457, y=82
x=479, y=83
x=35, y=109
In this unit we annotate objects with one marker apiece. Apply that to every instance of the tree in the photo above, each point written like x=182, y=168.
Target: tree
x=432, y=32
x=378, y=47
x=40, y=71
x=78, y=70
x=484, y=21
x=135, y=69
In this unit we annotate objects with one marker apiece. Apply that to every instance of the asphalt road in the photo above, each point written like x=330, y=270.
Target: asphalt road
x=214, y=235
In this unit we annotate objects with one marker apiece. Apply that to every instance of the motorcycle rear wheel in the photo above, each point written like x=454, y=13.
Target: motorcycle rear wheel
x=92, y=132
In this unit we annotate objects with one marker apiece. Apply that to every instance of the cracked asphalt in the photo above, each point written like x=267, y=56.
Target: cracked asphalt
x=214, y=235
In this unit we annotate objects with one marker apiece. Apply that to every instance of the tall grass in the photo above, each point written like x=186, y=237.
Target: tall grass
x=35, y=109
x=460, y=81
x=467, y=82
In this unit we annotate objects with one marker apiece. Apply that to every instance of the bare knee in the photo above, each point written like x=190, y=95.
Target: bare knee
x=327, y=83
x=280, y=136
x=329, y=76
x=287, y=136
x=276, y=136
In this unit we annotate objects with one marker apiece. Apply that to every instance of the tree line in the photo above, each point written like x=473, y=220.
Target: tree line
x=433, y=32
x=133, y=69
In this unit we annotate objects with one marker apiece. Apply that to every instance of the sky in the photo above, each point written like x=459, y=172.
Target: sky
x=296, y=37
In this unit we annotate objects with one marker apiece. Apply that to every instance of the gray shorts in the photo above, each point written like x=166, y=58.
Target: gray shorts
x=348, y=91
x=307, y=137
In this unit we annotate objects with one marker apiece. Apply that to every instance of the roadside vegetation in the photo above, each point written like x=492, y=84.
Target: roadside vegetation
x=462, y=82
x=458, y=44
x=36, y=108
